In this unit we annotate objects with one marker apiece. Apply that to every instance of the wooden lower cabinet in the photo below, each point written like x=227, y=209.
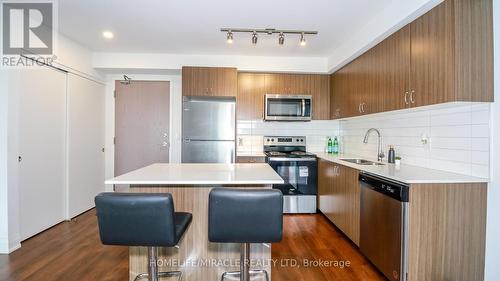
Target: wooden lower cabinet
x=447, y=231
x=446, y=222
x=339, y=194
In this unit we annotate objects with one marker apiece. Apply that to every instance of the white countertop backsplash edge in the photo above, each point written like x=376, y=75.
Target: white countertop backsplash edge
x=404, y=173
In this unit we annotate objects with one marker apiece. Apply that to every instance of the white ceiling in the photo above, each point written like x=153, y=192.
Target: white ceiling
x=192, y=26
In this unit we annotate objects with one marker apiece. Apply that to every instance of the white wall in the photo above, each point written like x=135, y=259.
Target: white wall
x=4, y=213
x=250, y=133
x=493, y=222
x=458, y=137
x=175, y=116
x=176, y=61
x=76, y=58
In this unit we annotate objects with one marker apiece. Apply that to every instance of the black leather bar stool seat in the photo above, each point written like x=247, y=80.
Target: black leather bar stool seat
x=144, y=220
x=245, y=216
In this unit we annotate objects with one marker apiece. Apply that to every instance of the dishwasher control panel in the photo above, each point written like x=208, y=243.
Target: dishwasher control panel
x=396, y=190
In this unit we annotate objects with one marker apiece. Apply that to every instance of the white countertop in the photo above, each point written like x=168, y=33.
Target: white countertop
x=200, y=174
x=404, y=173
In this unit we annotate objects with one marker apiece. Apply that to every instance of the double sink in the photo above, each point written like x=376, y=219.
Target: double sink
x=362, y=162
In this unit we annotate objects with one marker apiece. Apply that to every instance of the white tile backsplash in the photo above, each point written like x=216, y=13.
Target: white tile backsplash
x=458, y=137
x=250, y=133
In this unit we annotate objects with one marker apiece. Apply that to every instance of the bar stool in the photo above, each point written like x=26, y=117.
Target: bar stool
x=141, y=219
x=245, y=216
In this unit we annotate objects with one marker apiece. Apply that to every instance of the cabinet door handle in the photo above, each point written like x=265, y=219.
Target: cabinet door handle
x=412, y=98
x=406, y=98
x=363, y=107
x=359, y=108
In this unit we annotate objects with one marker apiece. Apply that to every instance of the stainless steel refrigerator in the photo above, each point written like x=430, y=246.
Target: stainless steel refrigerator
x=208, y=129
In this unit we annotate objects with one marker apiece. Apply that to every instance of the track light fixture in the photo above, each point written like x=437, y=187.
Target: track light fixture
x=254, y=38
x=268, y=31
x=302, y=39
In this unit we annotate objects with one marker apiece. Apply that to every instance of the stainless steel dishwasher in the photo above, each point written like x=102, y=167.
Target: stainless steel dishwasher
x=383, y=229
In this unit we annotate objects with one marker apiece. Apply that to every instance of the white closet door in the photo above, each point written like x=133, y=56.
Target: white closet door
x=86, y=104
x=42, y=146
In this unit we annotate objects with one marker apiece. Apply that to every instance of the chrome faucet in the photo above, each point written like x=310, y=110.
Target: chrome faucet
x=380, y=153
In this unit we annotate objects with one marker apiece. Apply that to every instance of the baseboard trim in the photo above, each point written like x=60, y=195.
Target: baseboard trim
x=7, y=248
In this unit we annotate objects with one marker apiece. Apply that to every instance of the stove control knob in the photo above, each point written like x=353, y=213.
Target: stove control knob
x=267, y=140
x=302, y=140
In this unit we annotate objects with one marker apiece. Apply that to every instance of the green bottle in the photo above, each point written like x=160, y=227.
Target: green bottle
x=330, y=145
x=335, y=148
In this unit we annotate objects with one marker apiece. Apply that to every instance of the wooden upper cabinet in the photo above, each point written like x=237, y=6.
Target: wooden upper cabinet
x=452, y=53
x=393, y=79
x=209, y=81
x=252, y=88
x=343, y=97
x=432, y=64
x=319, y=88
x=446, y=55
x=250, y=99
x=293, y=84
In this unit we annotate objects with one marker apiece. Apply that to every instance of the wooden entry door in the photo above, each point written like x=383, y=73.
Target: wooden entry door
x=142, y=112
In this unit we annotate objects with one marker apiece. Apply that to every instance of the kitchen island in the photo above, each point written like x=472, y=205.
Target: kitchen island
x=190, y=185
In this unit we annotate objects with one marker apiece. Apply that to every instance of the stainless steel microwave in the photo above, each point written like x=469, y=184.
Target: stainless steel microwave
x=288, y=108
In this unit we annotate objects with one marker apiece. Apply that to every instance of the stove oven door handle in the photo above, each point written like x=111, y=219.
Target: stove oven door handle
x=286, y=159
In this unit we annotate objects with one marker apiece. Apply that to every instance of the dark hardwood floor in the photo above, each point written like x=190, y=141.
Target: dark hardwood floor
x=71, y=251
x=315, y=238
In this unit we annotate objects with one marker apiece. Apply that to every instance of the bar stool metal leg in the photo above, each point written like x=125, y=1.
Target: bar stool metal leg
x=153, y=273
x=153, y=264
x=245, y=262
x=245, y=271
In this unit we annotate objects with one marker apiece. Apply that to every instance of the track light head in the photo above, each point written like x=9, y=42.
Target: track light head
x=229, y=37
x=302, y=39
x=254, y=38
x=281, y=38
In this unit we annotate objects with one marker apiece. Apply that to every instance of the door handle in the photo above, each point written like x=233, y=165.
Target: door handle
x=363, y=107
x=303, y=107
x=412, y=100
x=406, y=98
x=359, y=108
